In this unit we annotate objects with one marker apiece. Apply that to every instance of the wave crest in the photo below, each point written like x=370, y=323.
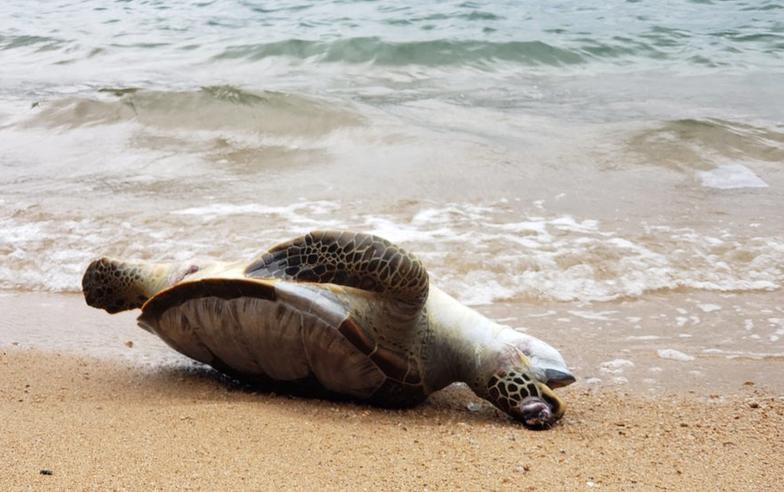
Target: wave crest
x=429, y=53
x=208, y=108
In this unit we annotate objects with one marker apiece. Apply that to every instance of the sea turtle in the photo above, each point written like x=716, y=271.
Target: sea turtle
x=347, y=313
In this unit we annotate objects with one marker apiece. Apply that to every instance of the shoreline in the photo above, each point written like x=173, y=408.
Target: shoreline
x=116, y=425
x=615, y=345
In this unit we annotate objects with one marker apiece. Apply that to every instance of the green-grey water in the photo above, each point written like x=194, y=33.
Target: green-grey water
x=581, y=154
x=620, y=108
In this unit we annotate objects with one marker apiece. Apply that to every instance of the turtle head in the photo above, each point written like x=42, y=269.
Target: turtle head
x=114, y=285
x=521, y=385
x=517, y=392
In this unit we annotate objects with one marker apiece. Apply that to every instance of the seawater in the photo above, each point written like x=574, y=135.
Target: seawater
x=589, y=171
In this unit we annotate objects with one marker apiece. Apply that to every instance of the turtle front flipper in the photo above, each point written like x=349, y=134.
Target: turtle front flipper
x=358, y=260
x=114, y=285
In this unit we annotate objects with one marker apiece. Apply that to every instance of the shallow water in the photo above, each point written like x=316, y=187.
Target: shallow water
x=571, y=154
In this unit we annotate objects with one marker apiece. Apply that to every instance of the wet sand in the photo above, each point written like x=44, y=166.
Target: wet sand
x=612, y=344
x=98, y=424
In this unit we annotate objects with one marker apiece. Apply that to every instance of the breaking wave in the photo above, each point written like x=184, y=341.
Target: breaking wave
x=222, y=107
x=480, y=253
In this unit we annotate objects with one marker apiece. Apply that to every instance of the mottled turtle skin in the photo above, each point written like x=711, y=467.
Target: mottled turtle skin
x=339, y=312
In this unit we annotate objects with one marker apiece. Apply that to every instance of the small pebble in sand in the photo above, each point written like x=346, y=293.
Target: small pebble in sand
x=129, y=344
x=46, y=472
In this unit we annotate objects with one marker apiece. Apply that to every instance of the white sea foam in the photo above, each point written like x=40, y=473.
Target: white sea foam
x=708, y=308
x=672, y=354
x=738, y=354
x=402, y=233
x=542, y=315
x=615, y=366
x=486, y=289
x=731, y=176
x=776, y=335
x=593, y=315
x=480, y=253
x=297, y=212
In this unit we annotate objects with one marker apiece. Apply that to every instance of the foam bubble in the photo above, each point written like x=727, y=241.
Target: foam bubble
x=297, y=213
x=542, y=315
x=486, y=289
x=708, y=308
x=615, y=366
x=738, y=354
x=593, y=315
x=731, y=176
x=672, y=354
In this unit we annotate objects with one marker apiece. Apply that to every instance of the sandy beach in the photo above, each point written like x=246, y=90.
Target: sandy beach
x=604, y=176
x=100, y=403
x=100, y=425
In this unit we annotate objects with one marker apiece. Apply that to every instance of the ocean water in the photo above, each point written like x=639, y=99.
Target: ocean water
x=565, y=153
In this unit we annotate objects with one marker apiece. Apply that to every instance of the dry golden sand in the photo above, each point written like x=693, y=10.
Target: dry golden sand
x=95, y=424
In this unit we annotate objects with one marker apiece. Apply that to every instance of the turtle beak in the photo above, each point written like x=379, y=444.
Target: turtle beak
x=558, y=407
x=558, y=379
